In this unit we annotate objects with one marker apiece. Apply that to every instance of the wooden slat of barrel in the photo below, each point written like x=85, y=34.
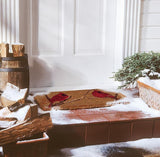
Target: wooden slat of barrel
x=20, y=79
x=14, y=70
x=14, y=64
x=3, y=80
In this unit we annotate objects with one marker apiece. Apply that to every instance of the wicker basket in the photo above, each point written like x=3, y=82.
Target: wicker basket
x=149, y=95
x=28, y=148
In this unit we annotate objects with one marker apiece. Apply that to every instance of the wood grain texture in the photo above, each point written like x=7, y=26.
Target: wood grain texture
x=34, y=147
x=26, y=129
x=4, y=49
x=14, y=70
x=18, y=50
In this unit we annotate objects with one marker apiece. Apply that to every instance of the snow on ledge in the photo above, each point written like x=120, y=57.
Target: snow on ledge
x=155, y=83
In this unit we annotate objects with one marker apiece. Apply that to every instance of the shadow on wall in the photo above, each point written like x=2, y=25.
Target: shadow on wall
x=65, y=76
x=40, y=74
x=43, y=74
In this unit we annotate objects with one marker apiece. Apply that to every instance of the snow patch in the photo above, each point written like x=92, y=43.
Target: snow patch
x=59, y=117
x=155, y=83
x=135, y=104
x=13, y=93
x=19, y=114
x=150, y=144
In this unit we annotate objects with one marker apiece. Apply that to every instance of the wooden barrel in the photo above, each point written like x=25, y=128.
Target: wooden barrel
x=14, y=70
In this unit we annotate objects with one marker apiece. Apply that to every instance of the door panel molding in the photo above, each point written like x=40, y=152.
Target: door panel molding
x=46, y=30
x=89, y=27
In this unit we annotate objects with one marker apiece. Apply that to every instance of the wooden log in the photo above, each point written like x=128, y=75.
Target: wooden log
x=4, y=47
x=26, y=129
x=18, y=105
x=34, y=110
x=15, y=106
x=7, y=122
x=13, y=94
x=18, y=49
x=22, y=114
x=35, y=147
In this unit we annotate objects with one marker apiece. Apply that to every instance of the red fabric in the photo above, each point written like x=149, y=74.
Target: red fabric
x=100, y=94
x=58, y=97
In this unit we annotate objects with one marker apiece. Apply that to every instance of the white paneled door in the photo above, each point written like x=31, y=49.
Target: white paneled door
x=71, y=42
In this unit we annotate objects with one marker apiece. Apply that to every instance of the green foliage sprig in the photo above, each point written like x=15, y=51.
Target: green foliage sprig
x=135, y=66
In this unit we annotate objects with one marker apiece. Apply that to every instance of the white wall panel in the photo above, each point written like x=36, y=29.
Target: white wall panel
x=150, y=45
x=46, y=27
x=9, y=21
x=150, y=20
x=150, y=6
x=89, y=30
x=150, y=33
x=150, y=26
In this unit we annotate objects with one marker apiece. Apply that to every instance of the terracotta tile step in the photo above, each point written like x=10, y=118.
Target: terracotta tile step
x=105, y=128
x=106, y=115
